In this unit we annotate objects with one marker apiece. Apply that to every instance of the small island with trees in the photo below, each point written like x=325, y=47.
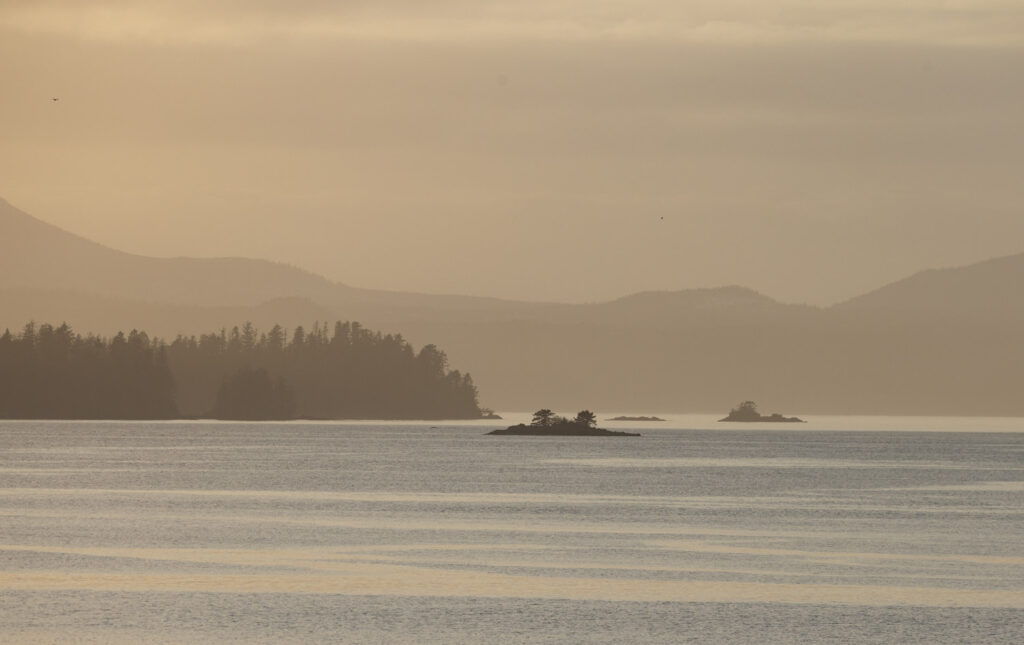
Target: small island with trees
x=746, y=412
x=641, y=418
x=547, y=423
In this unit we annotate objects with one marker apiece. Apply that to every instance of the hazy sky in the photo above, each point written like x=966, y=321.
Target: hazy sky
x=562, y=150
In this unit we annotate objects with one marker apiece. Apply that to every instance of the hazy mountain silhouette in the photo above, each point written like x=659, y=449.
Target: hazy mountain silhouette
x=104, y=314
x=939, y=342
x=669, y=308
x=986, y=290
x=35, y=254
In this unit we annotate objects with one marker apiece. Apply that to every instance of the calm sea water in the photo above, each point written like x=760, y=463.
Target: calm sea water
x=839, y=531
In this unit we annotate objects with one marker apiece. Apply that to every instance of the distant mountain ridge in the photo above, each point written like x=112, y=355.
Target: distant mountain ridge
x=938, y=342
x=35, y=254
x=992, y=287
x=107, y=314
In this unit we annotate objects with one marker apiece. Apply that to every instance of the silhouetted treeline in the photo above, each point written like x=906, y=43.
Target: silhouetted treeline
x=341, y=372
x=250, y=394
x=52, y=373
x=348, y=372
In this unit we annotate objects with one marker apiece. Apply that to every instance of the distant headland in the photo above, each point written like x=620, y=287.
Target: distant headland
x=547, y=423
x=348, y=372
x=636, y=419
x=746, y=412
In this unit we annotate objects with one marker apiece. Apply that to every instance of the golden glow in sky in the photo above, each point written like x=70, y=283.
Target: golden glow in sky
x=538, y=150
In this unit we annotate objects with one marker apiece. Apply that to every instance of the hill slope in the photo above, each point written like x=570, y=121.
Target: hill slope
x=991, y=289
x=37, y=255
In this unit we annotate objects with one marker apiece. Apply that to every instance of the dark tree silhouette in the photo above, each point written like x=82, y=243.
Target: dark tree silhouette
x=586, y=417
x=745, y=411
x=344, y=372
x=542, y=417
x=50, y=372
x=350, y=372
x=249, y=394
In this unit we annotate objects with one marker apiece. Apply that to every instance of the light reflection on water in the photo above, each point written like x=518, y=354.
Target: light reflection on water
x=106, y=527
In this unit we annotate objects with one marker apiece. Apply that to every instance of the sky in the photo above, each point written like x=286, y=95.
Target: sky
x=567, y=150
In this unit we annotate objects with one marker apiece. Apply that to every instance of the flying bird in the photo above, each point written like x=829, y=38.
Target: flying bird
x=55, y=99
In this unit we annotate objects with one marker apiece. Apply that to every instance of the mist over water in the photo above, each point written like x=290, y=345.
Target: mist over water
x=349, y=532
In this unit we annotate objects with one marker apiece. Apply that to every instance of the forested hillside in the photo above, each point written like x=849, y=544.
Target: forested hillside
x=348, y=372
x=50, y=372
x=344, y=372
